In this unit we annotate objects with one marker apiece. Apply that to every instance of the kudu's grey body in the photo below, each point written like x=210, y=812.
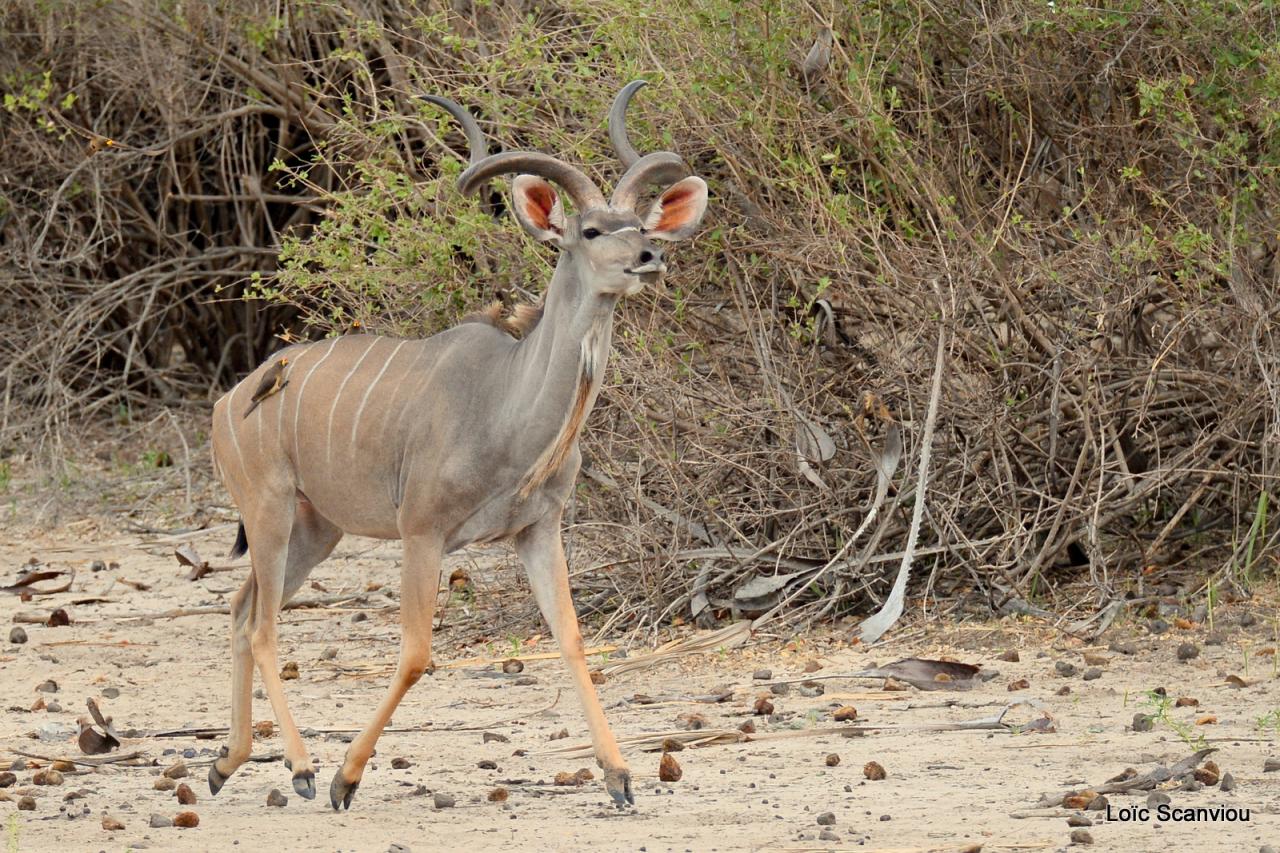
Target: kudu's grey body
x=468, y=436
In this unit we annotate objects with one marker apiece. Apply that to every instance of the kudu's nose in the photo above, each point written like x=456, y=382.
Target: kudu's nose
x=651, y=256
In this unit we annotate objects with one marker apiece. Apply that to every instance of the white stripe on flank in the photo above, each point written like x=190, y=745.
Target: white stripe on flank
x=235, y=439
x=355, y=422
x=328, y=450
x=297, y=410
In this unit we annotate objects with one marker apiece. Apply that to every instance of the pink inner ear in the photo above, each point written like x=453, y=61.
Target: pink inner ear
x=541, y=200
x=678, y=206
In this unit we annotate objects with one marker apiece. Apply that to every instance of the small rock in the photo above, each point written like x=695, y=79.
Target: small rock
x=1079, y=800
x=812, y=666
x=177, y=771
x=762, y=674
x=329, y=653
x=398, y=848
x=264, y=728
x=827, y=819
x=1065, y=669
x=1157, y=626
x=443, y=801
x=1020, y=684
x=48, y=686
x=359, y=616
x=1009, y=656
x=47, y=777
x=828, y=835
x=833, y=760
x=97, y=566
x=780, y=689
x=7, y=779
x=164, y=783
x=1158, y=798
x=1215, y=638
x=17, y=635
x=1228, y=782
x=1081, y=836
x=560, y=735
x=404, y=763
x=1096, y=659
x=1247, y=620
x=525, y=681
x=487, y=764
x=747, y=728
x=277, y=799
x=1143, y=723
x=18, y=764
x=511, y=666
x=873, y=771
x=845, y=714
x=63, y=765
x=763, y=707
x=289, y=672
x=186, y=796
x=187, y=820
x=498, y=795
x=690, y=721
x=1266, y=848
x=1123, y=647
x=26, y=804
x=1186, y=702
x=494, y=737
x=598, y=677
x=1271, y=765
x=669, y=769
x=672, y=745
x=53, y=707
x=1208, y=775
x=110, y=824
x=1099, y=804
x=1092, y=674
x=1079, y=820
x=811, y=689
x=158, y=821
x=1188, y=651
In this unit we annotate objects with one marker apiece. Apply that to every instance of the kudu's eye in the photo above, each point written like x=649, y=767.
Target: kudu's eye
x=591, y=233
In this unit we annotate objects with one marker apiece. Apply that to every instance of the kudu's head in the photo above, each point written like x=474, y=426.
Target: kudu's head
x=613, y=250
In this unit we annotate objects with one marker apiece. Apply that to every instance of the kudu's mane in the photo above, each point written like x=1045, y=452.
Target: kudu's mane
x=518, y=324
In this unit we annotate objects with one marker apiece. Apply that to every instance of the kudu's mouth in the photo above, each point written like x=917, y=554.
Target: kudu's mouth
x=650, y=273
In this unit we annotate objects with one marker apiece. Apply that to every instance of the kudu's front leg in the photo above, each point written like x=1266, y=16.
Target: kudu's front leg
x=419, y=583
x=542, y=552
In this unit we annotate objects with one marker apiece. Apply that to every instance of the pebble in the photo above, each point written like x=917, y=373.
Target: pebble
x=443, y=801
x=828, y=835
x=277, y=799
x=873, y=771
x=1095, y=659
x=186, y=796
x=827, y=819
x=177, y=771
x=498, y=795
x=1081, y=836
x=18, y=764
x=762, y=674
x=289, y=672
x=1157, y=798
x=359, y=616
x=1092, y=674
x=833, y=760
x=48, y=686
x=1079, y=820
x=111, y=824
x=401, y=763
x=494, y=737
x=1157, y=626
x=399, y=848
x=669, y=769
x=1065, y=669
x=513, y=666
x=47, y=777
x=780, y=689
x=27, y=804
x=7, y=779
x=164, y=783
x=329, y=653
x=1124, y=647
x=812, y=666
x=811, y=689
x=17, y=635
x=1143, y=722
x=525, y=681
x=845, y=714
x=1009, y=656
x=1188, y=651
x=111, y=693
x=1271, y=765
x=187, y=820
x=1228, y=782
x=54, y=707
x=159, y=821
x=763, y=707
x=487, y=764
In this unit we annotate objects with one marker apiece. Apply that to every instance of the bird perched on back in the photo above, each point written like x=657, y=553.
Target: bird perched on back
x=272, y=381
x=818, y=57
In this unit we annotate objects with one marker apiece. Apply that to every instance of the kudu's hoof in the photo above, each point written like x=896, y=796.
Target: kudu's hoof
x=304, y=782
x=341, y=791
x=216, y=779
x=618, y=784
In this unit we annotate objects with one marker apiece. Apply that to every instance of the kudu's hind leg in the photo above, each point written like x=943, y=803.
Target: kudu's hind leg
x=542, y=552
x=311, y=539
x=419, y=583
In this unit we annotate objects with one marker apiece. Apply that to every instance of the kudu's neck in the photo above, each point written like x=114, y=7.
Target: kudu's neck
x=559, y=365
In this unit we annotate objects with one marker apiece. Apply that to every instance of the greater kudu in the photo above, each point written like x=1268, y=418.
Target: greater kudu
x=468, y=436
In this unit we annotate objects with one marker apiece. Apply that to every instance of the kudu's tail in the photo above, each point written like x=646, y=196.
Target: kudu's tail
x=241, y=547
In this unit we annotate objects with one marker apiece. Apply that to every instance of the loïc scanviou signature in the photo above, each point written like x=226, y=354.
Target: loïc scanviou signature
x=1169, y=813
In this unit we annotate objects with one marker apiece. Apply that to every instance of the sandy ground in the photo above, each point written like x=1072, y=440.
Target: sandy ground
x=943, y=791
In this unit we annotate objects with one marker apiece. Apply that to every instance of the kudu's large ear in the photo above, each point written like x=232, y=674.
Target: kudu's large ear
x=676, y=214
x=538, y=208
